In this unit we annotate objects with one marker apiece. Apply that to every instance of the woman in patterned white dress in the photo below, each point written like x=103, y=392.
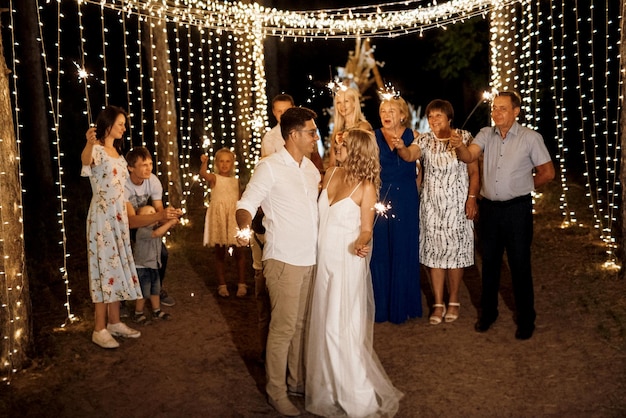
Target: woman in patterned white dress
x=112, y=272
x=220, y=225
x=448, y=208
x=344, y=376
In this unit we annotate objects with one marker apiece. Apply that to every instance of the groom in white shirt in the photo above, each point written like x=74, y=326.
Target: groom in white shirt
x=286, y=186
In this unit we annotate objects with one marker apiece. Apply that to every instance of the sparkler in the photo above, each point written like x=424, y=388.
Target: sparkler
x=336, y=86
x=82, y=76
x=244, y=233
x=388, y=92
x=487, y=97
x=206, y=143
x=381, y=208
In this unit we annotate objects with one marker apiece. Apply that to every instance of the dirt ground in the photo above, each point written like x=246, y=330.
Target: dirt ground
x=204, y=362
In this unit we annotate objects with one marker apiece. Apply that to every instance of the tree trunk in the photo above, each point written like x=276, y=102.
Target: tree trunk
x=166, y=128
x=40, y=196
x=15, y=318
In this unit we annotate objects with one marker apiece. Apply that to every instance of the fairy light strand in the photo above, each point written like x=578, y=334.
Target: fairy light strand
x=104, y=81
x=558, y=87
x=127, y=84
x=12, y=296
x=56, y=117
x=374, y=21
x=183, y=118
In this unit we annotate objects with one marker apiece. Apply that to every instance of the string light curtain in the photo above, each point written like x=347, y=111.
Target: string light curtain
x=208, y=39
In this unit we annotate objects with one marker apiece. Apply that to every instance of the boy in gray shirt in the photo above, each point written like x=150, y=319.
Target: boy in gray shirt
x=147, y=255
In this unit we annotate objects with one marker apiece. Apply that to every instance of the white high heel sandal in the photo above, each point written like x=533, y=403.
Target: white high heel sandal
x=436, y=320
x=449, y=317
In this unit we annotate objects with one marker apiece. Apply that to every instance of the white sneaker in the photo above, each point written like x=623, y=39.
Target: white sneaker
x=104, y=339
x=122, y=330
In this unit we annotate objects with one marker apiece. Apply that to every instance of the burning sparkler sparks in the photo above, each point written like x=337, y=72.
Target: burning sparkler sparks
x=244, y=233
x=388, y=92
x=83, y=75
x=337, y=85
x=382, y=208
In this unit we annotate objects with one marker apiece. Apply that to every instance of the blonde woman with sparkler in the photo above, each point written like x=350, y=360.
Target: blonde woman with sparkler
x=344, y=376
x=348, y=115
x=395, y=259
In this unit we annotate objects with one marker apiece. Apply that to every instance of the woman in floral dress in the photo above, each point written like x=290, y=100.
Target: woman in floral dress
x=112, y=273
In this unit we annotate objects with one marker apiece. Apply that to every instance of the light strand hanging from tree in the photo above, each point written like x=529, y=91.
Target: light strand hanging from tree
x=612, y=148
x=140, y=91
x=569, y=215
x=558, y=89
x=82, y=71
x=375, y=21
x=56, y=117
x=259, y=119
x=183, y=121
x=152, y=69
x=104, y=81
x=13, y=334
x=127, y=84
x=205, y=42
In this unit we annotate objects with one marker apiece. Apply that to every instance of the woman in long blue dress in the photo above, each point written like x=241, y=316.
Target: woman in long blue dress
x=395, y=257
x=112, y=272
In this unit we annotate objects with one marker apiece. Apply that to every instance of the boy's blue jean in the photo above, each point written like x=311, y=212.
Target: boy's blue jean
x=149, y=281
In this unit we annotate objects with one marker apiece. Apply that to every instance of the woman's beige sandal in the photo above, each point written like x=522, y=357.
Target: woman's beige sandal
x=450, y=317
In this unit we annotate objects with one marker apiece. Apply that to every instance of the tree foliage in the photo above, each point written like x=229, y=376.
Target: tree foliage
x=457, y=51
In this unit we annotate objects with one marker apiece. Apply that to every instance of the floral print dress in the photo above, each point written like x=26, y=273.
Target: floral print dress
x=112, y=272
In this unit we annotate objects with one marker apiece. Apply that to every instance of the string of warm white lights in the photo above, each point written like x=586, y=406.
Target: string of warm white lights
x=598, y=130
x=12, y=335
x=380, y=20
x=602, y=198
x=56, y=117
x=151, y=70
x=129, y=90
x=139, y=103
x=558, y=88
x=103, y=57
x=612, y=148
x=82, y=72
x=184, y=118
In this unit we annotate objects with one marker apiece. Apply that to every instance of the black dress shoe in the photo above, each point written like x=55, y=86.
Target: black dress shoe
x=524, y=333
x=482, y=325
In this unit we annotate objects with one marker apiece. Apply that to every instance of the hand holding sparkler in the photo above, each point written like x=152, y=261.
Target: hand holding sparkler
x=91, y=136
x=243, y=236
x=455, y=140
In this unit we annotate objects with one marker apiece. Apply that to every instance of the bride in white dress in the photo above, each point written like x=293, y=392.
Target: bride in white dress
x=344, y=375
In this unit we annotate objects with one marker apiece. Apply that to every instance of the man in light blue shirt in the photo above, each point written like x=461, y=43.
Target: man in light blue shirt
x=512, y=153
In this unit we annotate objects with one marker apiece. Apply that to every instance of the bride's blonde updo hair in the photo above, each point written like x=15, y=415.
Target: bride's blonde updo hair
x=362, y=161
